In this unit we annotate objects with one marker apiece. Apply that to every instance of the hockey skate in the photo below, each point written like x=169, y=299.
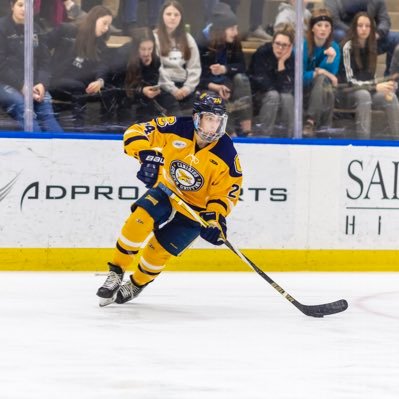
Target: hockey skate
x=108, y=291
x=128, y=291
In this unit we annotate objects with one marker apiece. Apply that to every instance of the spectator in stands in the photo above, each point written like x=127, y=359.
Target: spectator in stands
x=223, y=66
x=321, y=57
x=343, y=12
x=358, y=67
x=256, y=29
x=12, y=86
x=80, y=60
x=286, y=14
x=135, y=76
x=180, y=63
x=272, y=75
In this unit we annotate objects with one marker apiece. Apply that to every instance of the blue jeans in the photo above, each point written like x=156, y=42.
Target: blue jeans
x=12, y=101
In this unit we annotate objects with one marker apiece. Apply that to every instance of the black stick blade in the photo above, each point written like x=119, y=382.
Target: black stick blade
x=324, y=309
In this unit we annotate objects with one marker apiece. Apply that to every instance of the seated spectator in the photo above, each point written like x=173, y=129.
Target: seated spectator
x=223, y=66
x=343, y=12
x=80, y=60
x=321, y=57
x=135, y=76
x=358, y=67
x=272, y=75
x=12, y=85
x=180, y=63
x=286, y=14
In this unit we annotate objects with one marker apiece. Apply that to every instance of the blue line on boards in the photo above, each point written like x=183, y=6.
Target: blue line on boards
x=246, y=140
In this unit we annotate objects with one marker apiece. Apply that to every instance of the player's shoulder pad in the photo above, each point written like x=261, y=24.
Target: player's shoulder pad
x=181, y=126
x=224, y=149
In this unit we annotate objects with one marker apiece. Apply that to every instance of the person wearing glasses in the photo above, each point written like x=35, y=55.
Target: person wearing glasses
x=272, y=76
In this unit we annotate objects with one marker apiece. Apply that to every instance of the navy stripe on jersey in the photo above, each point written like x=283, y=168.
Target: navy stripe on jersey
x=224, y=149
x=220, y=202
x=131, y=139
x=183, y=127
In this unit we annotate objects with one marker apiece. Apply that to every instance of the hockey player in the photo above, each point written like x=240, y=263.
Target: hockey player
x=194, y=158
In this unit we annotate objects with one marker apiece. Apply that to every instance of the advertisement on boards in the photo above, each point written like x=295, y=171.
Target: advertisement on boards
x=77, y=194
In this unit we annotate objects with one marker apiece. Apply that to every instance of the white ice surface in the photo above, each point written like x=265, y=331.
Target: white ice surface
x=199, y=336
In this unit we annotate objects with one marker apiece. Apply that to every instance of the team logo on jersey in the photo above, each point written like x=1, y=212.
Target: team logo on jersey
x=179, y=144
x=237, y=165
x=185, y=176
x=166, y=120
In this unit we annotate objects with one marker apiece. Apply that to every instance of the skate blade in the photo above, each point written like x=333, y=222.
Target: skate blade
x=106, y=301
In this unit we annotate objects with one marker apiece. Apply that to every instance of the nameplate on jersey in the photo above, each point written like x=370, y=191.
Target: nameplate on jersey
x=185, y=176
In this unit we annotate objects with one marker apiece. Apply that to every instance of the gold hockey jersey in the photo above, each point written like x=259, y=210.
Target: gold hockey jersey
x=209, y=178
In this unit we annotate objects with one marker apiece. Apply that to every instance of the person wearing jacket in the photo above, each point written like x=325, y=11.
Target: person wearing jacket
x=321, y=57
x=223, y=66
x=364, y=91
x=134, y=80
x=80, y=60
x=343, y=12
x=272, y=76
x=12, y=85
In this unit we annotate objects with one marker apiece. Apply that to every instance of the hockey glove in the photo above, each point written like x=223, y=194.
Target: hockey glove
x=151, y=161
x=215, y=233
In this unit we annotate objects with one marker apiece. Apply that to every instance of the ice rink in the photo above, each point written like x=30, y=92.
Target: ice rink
x=199, y=336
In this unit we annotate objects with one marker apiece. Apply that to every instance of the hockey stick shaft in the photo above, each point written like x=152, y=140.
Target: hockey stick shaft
x=313, y=310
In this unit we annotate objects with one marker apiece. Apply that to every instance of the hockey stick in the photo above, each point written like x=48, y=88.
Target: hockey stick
x=309, y=310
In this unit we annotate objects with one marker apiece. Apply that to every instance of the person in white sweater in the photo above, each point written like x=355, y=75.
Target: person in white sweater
x=180, y=69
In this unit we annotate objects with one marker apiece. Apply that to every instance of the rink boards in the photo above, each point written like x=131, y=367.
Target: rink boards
x=303, y=207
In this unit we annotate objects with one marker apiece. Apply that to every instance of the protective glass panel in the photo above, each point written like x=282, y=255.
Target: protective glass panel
x=98, y=66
